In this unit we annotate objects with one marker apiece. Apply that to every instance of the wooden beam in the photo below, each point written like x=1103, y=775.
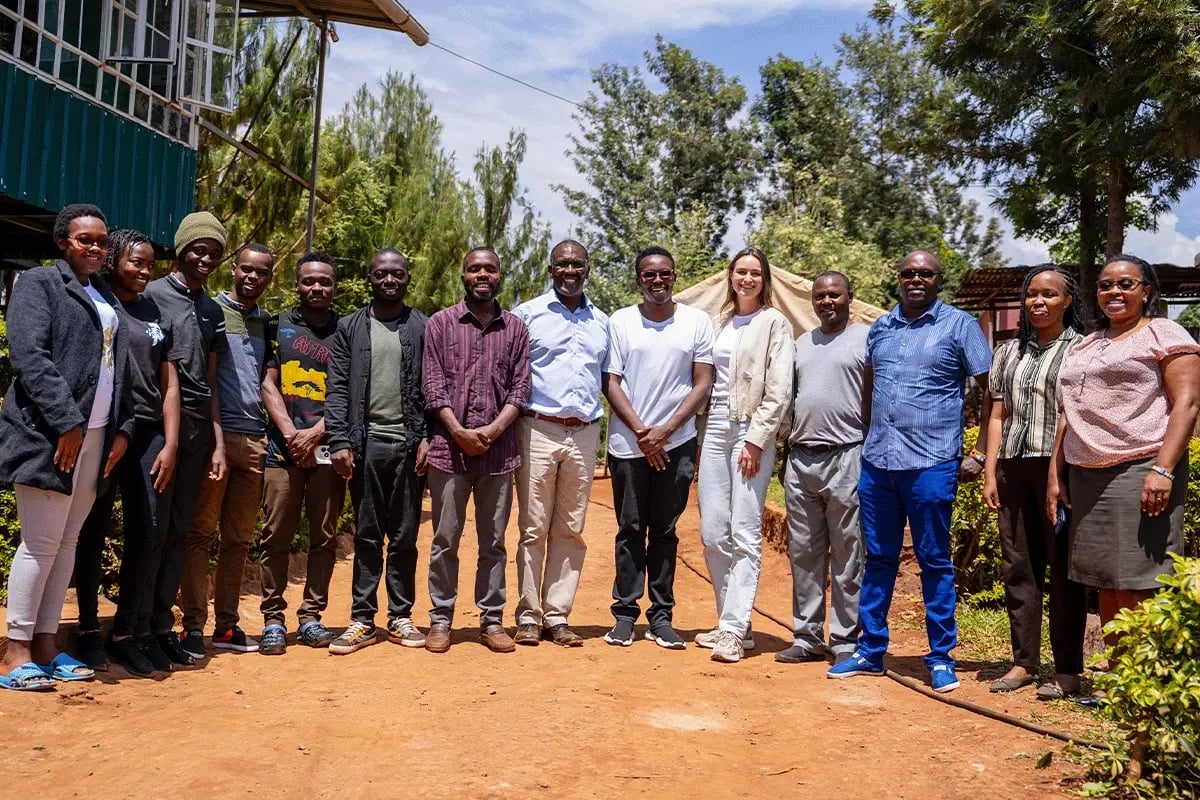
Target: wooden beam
x=253, y=151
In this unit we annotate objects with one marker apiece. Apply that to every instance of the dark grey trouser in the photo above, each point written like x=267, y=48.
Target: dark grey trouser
x=824, y=542
x=493, y=501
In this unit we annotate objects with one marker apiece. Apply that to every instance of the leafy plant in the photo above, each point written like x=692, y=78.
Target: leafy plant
x=1153, y=692
x=975, y=541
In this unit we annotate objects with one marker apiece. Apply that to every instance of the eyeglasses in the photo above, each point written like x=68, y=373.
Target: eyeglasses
x=662, y=274
x=87, y=242
x=909, y=274
x=562, y=266
x=1124, y=284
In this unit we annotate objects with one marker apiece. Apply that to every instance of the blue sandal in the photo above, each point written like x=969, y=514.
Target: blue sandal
x=66, y=668
x=27, y=678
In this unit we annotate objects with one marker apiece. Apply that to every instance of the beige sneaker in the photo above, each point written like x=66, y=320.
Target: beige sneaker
x=708, y=639
x=403, y=632
x=728, y=648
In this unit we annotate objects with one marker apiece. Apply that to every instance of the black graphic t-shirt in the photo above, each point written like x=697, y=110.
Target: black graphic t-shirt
x=148, y=339
x=301, y=354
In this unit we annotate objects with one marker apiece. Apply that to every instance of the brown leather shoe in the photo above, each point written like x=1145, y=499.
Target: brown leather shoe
x=528, y=634
x=562, y=635
x=438, y=638
x=496, y=639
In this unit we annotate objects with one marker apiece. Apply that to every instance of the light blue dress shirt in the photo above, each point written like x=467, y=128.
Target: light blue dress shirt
x=567, y=352
x=920, y=370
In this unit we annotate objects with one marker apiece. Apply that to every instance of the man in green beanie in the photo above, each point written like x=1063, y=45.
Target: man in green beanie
x=198, y=327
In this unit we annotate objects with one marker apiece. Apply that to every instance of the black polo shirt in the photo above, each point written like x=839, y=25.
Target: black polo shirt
x=197, y=328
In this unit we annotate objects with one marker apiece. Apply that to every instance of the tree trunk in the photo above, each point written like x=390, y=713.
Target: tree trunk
x=1118, y=191
x=1089, y=244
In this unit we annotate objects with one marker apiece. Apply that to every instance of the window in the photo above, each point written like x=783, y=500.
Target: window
x=143, y=30
x=207, y=76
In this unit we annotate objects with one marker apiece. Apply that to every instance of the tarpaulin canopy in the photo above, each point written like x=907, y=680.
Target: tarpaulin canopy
x=792, y=295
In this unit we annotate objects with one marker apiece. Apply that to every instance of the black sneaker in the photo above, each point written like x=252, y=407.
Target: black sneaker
x=153, y=651
x=127, y=653
x=169, y=643
x=621, y=633
x=90, y=647
x=665, y=636
x=192, y=643
x=234, y=639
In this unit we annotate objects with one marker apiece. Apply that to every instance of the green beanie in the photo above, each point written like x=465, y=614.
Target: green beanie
x=198, y=225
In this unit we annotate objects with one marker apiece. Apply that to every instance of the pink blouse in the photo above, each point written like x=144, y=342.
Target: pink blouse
x=1113, y=397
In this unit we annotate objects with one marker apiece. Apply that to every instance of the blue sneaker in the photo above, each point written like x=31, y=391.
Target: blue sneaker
x=854, y=666
x=273, y=641
x=942, y=678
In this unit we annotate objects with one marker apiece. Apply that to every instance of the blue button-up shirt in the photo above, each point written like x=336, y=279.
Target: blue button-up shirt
x=567, y=352
x=920, y=368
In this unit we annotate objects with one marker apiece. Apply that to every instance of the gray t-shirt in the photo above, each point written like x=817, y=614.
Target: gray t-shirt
x=829, y=387
x=385, y=403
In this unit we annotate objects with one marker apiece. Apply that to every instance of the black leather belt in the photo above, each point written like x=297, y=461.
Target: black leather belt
x=823, y=448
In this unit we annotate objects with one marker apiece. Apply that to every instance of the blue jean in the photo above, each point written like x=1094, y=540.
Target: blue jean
x=924, y=498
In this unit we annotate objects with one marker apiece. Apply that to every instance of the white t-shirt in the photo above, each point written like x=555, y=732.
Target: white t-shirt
x=102, y=404
x=723, y=355
x=654, y=361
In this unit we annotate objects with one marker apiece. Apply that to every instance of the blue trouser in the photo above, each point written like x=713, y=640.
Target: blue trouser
x=925, y=498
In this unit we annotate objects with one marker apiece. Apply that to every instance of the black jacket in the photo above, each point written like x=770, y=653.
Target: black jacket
x=55, y=345
x=348, y=380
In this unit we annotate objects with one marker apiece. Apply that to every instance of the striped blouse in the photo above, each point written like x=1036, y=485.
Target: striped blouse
x=1027, y=385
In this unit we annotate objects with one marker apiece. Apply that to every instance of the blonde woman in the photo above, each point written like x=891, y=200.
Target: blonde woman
x=752, y=358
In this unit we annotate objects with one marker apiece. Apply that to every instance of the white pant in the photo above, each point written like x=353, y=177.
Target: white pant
x=45, y=559
x=731, y=509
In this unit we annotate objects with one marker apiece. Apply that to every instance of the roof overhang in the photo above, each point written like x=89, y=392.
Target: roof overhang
x=385, y=14
x=1000, y=287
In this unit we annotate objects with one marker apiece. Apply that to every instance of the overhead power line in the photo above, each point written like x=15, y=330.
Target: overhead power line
x=505, y=75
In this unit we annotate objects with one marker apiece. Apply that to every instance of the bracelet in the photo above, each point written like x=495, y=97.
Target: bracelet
x=1166, y=473
x=978, y=456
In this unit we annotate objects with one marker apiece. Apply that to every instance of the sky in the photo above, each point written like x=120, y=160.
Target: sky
x=555, y=45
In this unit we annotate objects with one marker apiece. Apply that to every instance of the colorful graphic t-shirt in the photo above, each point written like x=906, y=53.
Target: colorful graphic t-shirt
x=301, y=354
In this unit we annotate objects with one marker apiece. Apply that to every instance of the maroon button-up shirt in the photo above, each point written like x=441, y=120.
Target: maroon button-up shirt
x=475, y=371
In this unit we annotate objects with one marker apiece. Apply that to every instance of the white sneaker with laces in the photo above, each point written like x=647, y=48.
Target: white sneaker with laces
x=708, y=639
x=728, y=648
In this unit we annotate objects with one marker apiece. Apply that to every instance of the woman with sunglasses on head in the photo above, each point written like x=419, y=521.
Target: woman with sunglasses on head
x=63, y=427
x=144, y=476
x=1128, y=397
x=752, y=358
x=1020, y=439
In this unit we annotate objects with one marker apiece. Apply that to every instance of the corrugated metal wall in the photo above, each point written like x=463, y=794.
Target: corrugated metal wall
x=57, y=148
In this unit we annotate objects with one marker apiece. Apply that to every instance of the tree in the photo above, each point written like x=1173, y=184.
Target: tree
x=839, y=145
x=1082, y=113
x=661, y=166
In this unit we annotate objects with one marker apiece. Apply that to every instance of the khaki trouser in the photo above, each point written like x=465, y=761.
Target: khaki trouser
x=286, y=490
x=233, y=503
x=554, y=482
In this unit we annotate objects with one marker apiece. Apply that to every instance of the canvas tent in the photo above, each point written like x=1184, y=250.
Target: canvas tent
x=793, y=296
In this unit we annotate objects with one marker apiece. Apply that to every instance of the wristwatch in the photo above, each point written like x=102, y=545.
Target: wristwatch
x=1166, y=473
x=978, y=456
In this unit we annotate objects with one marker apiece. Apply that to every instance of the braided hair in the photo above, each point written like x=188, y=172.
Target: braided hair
x=1072, y=314
x=121, y=242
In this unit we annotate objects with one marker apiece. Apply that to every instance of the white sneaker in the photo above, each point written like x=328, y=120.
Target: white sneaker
x=708, y=639
x=728, y=648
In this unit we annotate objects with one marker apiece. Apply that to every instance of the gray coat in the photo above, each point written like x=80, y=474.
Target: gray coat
x=55, y=346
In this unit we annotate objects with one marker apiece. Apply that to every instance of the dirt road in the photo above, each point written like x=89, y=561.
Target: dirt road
x=596, y=721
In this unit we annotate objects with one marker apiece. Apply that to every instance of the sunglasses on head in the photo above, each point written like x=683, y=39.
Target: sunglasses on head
x=909, y=273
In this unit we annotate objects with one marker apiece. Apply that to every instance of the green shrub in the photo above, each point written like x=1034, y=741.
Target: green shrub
x=1153, y=692
x=975, y=541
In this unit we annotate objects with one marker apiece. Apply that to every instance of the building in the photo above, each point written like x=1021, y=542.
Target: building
x=99, y=103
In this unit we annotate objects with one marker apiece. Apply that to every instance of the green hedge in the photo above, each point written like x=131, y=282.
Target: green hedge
x=975, y=537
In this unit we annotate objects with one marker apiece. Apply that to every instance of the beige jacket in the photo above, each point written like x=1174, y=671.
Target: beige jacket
x=760, y=375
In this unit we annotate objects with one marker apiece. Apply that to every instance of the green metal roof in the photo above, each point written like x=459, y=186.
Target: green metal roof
x=57, y=148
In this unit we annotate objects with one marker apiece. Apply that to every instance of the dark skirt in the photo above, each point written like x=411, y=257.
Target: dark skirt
x=1113, y=544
